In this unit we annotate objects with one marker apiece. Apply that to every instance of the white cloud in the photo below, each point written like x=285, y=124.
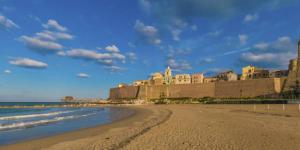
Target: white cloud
x=118, y=56
x=250, y=17
x=87, y=54
x=194, y=27
x=146, y=6
x=176, y=34
x=41, y=45
x=7, y=23
x=107, y=62
x=83, y=75
x=215, y=33
x=7, y=71
x=261, y=46
x=132, y=56
x=269, y=59
x=61, y=53
x=149, y=34
x=53, y=24
x=243, y=39
x=114, y=68
x=178, y=66
x=131, y=45
x=112, y=49
x=28, y=63
x=49, y=35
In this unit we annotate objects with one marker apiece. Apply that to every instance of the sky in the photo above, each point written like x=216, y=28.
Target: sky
x=53, y=48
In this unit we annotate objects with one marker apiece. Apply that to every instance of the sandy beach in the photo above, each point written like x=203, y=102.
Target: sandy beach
x=186, y=127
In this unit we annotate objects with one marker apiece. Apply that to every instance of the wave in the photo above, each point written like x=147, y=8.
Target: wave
x=40, y=122
x=34, y=115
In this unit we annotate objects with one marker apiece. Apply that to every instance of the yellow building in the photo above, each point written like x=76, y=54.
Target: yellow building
x=197, y=78
x=182, y=79
x=122, y=85
x=251, y=72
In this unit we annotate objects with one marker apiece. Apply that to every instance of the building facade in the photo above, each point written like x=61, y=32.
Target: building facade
x=182, y=79
x=251, y=72
x=197, y=78
x=157, y=79
x=227, y=76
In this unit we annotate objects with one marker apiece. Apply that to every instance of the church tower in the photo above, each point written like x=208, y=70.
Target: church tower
x=299, y=49
x=168, y=75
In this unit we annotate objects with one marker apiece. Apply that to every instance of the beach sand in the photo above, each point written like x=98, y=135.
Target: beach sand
x=186, y=127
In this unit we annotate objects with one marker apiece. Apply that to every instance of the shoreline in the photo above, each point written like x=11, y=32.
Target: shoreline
x=186, y=126
x=100, y=130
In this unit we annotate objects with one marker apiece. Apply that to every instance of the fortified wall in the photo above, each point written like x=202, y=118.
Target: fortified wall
x=230, y=89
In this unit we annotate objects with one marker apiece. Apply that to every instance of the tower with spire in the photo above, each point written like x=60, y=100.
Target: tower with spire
x=168, y=76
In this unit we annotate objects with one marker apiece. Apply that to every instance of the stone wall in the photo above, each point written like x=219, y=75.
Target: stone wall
x=226, y=89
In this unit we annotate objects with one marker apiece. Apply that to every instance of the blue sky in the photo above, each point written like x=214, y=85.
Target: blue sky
x=53, y=48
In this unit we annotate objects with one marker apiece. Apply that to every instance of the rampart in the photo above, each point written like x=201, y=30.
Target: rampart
x=230, y=89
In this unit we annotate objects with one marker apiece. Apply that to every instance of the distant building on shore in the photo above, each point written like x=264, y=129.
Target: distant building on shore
x=182, y=79
x=251, y=72
x=197, y=78
x=227, y=76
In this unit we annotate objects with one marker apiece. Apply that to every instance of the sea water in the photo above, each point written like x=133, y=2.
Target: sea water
x=19, y=124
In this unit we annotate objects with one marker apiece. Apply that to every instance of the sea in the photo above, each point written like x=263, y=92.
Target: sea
x=21, y=124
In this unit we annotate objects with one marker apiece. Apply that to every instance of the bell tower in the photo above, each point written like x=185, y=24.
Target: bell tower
x=299, y=49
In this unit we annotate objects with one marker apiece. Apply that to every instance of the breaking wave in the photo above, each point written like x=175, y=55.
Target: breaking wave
x=34, y=115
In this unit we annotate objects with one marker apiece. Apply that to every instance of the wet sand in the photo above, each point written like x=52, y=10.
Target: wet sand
x=187, y=127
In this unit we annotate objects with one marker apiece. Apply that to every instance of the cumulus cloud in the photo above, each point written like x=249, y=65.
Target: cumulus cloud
x=274, y=54
x=148, y=34
x=61, y=53
x=39, y=45
x=194, y=27
x=176, y=34
x=7, y=71
x=106, y=59
x=261, y=46
x=132, y=56
x=271, y=60
x=206, y=61
x=178, y=66
x=28, y=63
x=49, y=35
x=83, y=75
x=112, y=49
x=114, y=68
x=168, y=10
x=250, y=17
x=53, y=24
x=243, y=39
x=87, y=54
x=7, y=23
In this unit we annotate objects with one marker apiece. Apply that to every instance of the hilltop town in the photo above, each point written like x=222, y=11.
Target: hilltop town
x=254, y=82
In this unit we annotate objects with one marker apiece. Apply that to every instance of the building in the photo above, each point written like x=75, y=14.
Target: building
x=168, y=76
x=157, y=79
x=279, y=73
x=227, y=76
x=140, y=82
x=251, y=72
x=210, y=79
x=197, y=78
x=182, y=79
